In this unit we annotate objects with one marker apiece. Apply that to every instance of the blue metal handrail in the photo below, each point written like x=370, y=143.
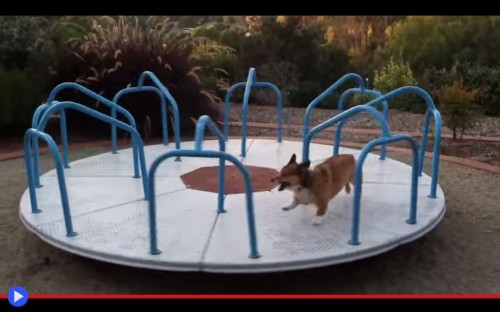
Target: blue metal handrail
x=431, y=111
x=207, y=154
x=254, y=84
x=326, y=93
x=136, y=138
x=163, y=104
x=28, y=137
x=171, y=101
x=64, y=137
x=343, y=99
x=342, y=116
x=358, y=181
x=203, y=122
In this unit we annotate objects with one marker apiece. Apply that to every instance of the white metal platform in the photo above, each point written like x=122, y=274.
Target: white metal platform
x=111, y=217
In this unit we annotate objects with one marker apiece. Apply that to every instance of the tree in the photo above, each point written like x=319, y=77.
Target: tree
x=361, y=36
x=293, y=52
x=439, y=41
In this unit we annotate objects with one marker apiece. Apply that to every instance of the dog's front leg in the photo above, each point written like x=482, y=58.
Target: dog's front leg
x=321, y=206
x=292, y=205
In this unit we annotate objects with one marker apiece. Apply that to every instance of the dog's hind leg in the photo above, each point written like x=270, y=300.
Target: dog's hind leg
x=350, y=184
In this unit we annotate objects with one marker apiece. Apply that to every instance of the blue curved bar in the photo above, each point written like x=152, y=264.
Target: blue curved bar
x=358, y=181
x=342, y=116
x=64, y=138
x=246, y=98
x=431, y=111
x=34, y=124
x=326, y=93
x=254, y=253
x=202, y=123
x=29, y=135
x=136, y=138
x=342, y=100
x=163, y=104
x=171, y=101
x=75, y=86
x=259, y=84
x=437, y=148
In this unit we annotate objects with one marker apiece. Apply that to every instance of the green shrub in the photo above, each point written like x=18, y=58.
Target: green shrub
x=358, y=99
x=18, y=38
x=283, y=74
x=32, y=43
x=458, y=107
x=394, y=75
x=19, y=97
x=307, y=91
x=484, y=79
x=28, y=47
x=222, y=62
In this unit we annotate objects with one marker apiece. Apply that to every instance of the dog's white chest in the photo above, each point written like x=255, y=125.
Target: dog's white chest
x=303, y=196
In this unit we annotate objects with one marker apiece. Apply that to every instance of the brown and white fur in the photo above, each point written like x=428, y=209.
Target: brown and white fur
x=318, y=185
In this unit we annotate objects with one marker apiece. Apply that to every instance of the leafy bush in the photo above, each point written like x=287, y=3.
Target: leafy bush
x=458, y=108
x=222, y=62
x=282, y=74
x=19, y=96
x=307, y=91
x=18, y=38
x=396, y=74
x=485, y=79
x=113, y=54
x=358, y=99
x=32, y=43
x=28, y=46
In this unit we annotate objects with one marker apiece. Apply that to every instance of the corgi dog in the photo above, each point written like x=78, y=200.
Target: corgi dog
x=318, y=185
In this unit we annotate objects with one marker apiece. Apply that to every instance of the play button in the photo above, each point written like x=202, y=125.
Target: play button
x=18, y=296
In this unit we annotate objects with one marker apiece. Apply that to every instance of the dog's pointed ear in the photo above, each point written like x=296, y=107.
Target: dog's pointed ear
x=305, y=165
x=293, y=159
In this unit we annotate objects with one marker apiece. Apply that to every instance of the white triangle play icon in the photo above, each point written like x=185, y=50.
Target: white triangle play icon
x=17, y=296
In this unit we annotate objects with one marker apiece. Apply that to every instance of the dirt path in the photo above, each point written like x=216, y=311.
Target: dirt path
x=459, y=256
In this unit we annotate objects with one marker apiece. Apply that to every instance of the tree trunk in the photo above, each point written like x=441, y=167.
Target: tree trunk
x=454, y=133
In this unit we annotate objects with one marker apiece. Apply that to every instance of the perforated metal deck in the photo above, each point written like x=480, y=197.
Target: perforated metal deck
x=111, y=217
